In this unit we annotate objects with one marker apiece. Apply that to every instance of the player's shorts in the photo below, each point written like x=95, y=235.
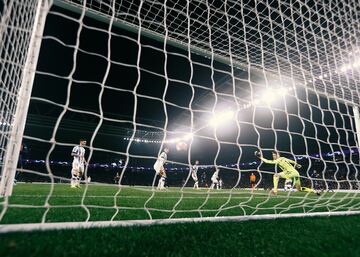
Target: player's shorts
x=292, y=175
x=194, y=178
x=77, y=169
x=214, y=180
x=159, y=170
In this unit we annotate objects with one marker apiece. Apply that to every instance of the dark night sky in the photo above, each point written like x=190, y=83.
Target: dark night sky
x=294, y=114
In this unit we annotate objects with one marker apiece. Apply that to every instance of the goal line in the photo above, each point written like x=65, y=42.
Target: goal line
x=129, y=223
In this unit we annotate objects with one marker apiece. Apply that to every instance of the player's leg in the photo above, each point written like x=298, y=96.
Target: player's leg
x=164, y=178
x=276, y=178
x=196, y=184
x=217, y=185
x=161, y=184
x=304, y=189
x=74, y=174
x=72, y=181
x=78, y=179
x=157, y=172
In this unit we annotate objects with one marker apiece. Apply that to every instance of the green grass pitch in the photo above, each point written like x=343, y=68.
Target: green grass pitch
x=335, y=236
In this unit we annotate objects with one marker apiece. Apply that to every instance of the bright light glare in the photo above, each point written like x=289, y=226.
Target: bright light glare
x=269, y=95
x=174, y=140
x=356, y=64
x=283, y=91
x=221, y=117
x=188, y=136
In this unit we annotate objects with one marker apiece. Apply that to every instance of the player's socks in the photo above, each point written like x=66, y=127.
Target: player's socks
x=163, y=183
x=77, y=182
x=276, y=181
x=196, y=185
x=73, y=182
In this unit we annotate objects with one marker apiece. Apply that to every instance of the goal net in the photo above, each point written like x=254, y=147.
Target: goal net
x=140, y=111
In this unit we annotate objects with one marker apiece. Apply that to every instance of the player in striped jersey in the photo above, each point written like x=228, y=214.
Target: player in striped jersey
x=194, y=170
x=78, y=152
x=215, y=179
x=159, y=168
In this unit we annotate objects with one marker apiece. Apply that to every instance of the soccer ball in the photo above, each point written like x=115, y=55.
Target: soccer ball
x=181, y=146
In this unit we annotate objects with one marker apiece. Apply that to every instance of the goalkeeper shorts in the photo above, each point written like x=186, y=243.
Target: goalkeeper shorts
x=293, y=175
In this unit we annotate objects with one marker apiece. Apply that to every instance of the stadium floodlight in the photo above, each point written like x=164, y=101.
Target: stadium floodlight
x=186, y=137
x=220, y=118
x=270, y=94
x=356, y=64
x=352, y=65
x=173, y=140
x=4, y=123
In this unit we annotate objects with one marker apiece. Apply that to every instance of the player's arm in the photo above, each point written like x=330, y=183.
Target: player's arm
x=294, y=163
x=259, y=155
x=269, y=161
x=73, y=152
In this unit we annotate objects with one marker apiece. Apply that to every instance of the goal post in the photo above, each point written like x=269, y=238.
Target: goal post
x=357, y=123
x=22, y=96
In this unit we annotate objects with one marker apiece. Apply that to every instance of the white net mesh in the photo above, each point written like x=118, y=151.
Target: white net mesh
x=15, y=32
x=211, y=81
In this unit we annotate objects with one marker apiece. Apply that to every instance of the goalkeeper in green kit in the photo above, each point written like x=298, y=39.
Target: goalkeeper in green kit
x=288, y=172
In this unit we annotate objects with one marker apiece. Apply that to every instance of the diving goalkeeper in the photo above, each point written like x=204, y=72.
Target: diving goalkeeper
x=288, y=171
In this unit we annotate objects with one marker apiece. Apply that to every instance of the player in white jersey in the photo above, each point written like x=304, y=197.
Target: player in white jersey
x=288, y=185
x=215, y=179
x=159, y=168
x=78, y=163
x=194, y=170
